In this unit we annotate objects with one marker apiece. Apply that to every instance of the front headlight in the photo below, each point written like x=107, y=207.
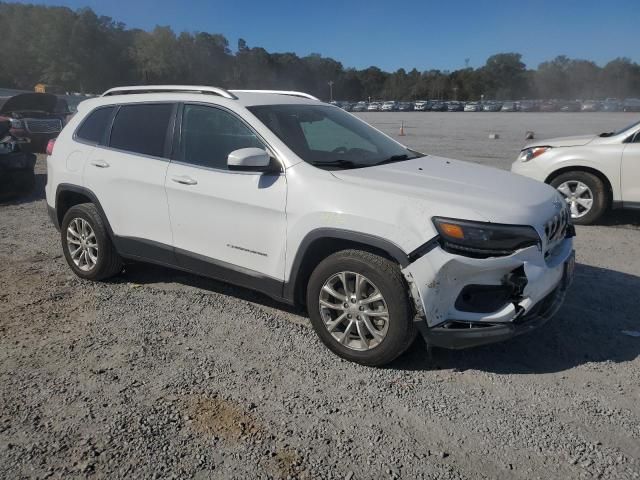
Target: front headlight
x=480, y=239
x=531, y=153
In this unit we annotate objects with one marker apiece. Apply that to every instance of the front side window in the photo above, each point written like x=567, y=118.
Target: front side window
x=142, y=128
x=210, y=134
x=330, y=138
x=94, y=127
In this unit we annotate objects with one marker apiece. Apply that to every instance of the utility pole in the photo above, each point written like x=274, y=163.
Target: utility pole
x=330, y=83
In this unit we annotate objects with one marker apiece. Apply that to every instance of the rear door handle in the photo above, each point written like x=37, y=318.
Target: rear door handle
x=184, y=180
x=100, y=164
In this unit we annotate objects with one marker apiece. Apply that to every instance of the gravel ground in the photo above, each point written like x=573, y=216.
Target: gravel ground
x=160, y=374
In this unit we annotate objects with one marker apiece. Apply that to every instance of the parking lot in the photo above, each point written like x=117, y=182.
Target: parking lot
x=161, y=374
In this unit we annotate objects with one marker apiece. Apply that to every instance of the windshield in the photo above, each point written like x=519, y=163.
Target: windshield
x=629, y=127
x=330, y=138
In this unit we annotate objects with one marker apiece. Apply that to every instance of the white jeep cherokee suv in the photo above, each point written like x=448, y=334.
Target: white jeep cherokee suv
x=281, y=193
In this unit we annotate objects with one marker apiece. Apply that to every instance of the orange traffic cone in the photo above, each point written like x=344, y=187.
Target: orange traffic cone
x=401, y=134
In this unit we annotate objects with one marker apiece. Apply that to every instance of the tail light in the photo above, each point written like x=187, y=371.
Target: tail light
x=50, y=144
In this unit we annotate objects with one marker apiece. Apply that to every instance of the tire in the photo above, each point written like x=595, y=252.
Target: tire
x=108, y=263
x=396, y=331
x=599, y=194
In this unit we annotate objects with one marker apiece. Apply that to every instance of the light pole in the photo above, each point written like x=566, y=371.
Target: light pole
x=330, y=83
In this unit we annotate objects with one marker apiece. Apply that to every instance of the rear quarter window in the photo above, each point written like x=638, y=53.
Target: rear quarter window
x=94, y=128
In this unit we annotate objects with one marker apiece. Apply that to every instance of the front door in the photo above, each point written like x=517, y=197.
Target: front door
x=226, y=224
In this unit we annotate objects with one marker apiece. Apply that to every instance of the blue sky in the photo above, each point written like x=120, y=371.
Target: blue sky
x=406, y=33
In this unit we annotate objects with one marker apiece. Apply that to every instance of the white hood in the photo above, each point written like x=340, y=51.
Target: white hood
x=574, y=141
x=486, y=193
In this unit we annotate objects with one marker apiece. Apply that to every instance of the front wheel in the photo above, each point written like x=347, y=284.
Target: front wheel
x=585, y=194
x=359, y=307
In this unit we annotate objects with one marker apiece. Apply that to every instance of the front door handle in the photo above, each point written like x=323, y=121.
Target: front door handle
x=184, y=180
x=100, y=164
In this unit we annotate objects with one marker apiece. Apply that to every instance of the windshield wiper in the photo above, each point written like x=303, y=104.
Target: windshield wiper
x=338, y=163
x=395, y=158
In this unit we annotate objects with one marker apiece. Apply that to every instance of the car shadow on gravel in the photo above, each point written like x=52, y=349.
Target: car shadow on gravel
x=617, y=218
x=600, y=305
x=35, y=195
x=147, y=274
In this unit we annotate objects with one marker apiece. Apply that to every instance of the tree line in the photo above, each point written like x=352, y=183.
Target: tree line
x=80, y=51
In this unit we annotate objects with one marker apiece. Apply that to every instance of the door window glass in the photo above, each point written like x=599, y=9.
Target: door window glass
x=210, y=134
x=142, y=128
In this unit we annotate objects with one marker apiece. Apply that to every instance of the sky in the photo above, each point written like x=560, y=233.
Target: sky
x=399, y=34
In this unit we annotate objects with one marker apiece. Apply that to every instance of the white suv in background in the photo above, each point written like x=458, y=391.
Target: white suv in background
x=281, y=193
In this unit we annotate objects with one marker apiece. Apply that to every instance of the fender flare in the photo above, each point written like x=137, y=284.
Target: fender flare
x=67, y=187
x=390, y=248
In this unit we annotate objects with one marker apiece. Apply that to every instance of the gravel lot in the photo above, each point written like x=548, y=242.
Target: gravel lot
x=160, y=374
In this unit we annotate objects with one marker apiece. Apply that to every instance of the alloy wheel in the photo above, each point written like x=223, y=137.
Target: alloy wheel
x=82, y=244
x=354, y=311
x=579, y=197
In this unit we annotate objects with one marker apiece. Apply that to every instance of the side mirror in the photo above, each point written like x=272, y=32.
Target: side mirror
x=250, y=159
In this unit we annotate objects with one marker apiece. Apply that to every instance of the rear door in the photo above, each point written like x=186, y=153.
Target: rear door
x=630, y=172
x=127, y=175
x=226, y=224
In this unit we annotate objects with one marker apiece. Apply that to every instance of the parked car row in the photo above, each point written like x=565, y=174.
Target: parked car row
x=608, y=105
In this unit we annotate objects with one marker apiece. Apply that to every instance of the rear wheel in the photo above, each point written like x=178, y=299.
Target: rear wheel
x=86, y=244
x=585, y=194
x=359, y=307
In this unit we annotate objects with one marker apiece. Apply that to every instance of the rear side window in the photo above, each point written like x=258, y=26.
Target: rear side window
x=142, y=128
x=95, y=126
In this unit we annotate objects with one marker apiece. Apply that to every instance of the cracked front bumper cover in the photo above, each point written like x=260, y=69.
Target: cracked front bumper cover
x=459, y=335
x=438, y=278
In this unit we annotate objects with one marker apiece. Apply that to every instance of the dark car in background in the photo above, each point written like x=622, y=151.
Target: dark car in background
x=405, y=107
x=16, y=167
x=439, y=106
x=455, y=106
x=509, y=106
x=38, y=117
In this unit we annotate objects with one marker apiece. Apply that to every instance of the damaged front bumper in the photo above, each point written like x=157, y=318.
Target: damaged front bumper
x=465, y=302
